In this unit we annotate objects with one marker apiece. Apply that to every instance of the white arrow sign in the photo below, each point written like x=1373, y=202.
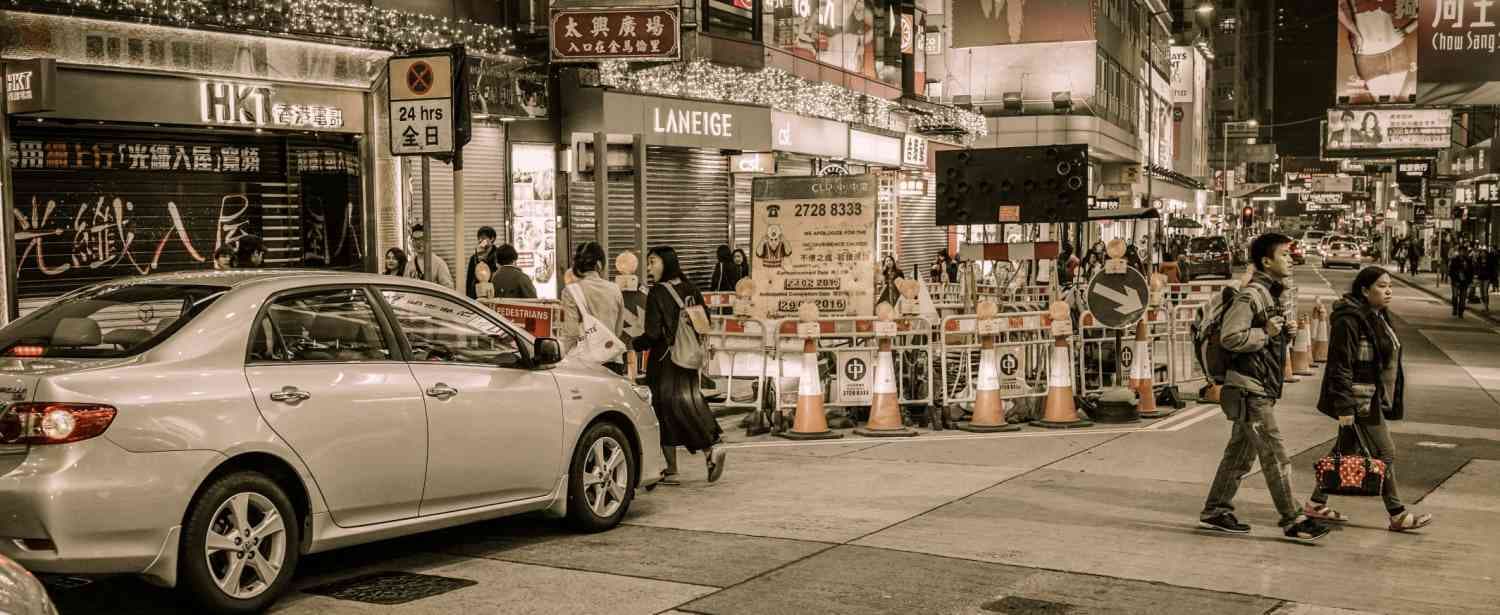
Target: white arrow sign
x=1128, y=300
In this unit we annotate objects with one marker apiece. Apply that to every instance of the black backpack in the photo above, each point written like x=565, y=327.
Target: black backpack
x=1213, y=358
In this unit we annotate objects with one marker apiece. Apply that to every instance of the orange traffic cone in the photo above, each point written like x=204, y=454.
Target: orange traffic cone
x=1302, y=349
x=1289, y=374
x=1320, y=334
x=885, y=411
x=1060, y=411
x=989, y=409
x=810, y=423
x=1143, y=376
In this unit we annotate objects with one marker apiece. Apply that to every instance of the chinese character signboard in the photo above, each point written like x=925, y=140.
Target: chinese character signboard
x=814, y=240
x=421, y=104
x=30, y=85
x=1413, y=170
x=1456, y=53
x=586, y=34
x=914, y=150
x=1377, y=51
x=1366, y=130
x=228, y=103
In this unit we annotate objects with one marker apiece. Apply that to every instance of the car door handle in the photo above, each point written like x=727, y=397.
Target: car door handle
x=290, y=395
x=441, y=391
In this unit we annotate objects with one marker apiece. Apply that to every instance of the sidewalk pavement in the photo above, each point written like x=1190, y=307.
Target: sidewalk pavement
x=1427, y=282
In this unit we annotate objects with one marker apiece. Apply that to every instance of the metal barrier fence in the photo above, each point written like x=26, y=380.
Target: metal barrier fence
x=1195, y=292
x=739, y=352
x=1105, y=355
x=845, y=362
x=1184, y=368
x=719, y=303
x=1022, y=354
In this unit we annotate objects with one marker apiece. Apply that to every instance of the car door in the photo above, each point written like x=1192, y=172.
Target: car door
x=494, y=425
x=326, y=375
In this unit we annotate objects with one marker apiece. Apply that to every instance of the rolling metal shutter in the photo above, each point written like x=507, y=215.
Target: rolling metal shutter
x=621, y=215
x=484, y=201
x=921, y=238
x=688, y=201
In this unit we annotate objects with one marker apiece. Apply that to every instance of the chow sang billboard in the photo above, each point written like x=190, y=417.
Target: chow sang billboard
x=1377, y=51
x=1376, y=130
x=1431, y=52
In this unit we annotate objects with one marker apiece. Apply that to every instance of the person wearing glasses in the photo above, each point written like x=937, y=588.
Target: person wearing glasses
x=440, y=273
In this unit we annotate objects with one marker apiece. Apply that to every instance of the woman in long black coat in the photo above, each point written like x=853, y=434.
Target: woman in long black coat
x=676, y=392
x=1364, y=388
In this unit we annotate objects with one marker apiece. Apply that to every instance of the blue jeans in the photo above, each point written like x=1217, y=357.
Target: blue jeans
x=1254, y=435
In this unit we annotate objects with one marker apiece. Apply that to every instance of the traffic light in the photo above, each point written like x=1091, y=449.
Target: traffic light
x=1247, y=216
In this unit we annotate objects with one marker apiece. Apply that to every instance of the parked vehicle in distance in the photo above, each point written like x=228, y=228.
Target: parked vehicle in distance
x=205, y=430
x=1207, y=256
x=1313, y=240
x=1298, y=256
x=21, y=593
x=1343, y=254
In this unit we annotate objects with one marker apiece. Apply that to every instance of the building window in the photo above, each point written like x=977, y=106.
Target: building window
x=731, y=18
x=849, y=34
x=1228, y=25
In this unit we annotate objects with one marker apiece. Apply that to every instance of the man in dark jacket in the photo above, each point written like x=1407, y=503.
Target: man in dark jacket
x=510, y=281
x=1256, y=333
x=1460, y=276
x=484, y=252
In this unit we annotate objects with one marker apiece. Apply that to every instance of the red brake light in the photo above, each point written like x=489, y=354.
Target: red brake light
x=27, y=351
x=53, y=423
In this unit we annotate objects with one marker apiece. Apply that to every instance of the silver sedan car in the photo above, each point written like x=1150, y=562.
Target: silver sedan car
x=205, y=430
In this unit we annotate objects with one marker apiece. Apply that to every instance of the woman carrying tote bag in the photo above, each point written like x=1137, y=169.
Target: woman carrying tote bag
x=676, y=392
x=593, y=312
x=1363, y=387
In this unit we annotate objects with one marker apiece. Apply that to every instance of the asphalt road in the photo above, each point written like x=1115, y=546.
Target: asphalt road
x=1079, y=521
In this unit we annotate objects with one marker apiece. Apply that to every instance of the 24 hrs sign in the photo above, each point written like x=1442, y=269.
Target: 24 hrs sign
x=422, y=111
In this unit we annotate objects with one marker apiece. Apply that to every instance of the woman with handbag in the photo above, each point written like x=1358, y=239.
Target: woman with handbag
x=1363, y=388
x=673, y=306
x=593, y=300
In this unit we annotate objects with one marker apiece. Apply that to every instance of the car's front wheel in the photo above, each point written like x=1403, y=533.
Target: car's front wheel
x=239, y=544
x=601, y=479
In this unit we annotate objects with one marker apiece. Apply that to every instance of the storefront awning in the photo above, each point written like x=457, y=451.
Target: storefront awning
x=1123, y=214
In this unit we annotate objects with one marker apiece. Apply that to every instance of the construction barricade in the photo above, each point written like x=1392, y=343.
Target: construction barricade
x=739, y=352
x=1194, y=292
x=719, y=303
x=1185, y=370
x=846, y=364
x=1022, y=356
x=1106, y=356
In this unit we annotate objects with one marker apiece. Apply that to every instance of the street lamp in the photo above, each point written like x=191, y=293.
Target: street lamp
x=1224, y=161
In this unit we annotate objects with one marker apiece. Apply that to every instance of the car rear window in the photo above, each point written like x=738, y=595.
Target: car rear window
x=107, y=321
x=1208, y=244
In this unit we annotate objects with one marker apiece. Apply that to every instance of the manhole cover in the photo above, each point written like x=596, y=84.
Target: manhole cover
x=389, y=587
x=1016, y=605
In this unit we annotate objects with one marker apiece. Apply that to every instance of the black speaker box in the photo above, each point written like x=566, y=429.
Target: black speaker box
x=1048, y=183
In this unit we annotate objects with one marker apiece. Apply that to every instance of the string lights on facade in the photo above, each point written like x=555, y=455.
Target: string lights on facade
x=782, y=91
x=378, y=27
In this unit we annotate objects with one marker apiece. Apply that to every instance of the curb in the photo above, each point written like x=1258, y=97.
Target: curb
x=1432, y=291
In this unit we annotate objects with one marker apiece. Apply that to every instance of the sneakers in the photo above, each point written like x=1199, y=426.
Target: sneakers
x=1225, y=522
x=1306, y=530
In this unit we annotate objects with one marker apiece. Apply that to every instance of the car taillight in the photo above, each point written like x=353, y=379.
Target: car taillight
x=26, y=351
x=53, y=423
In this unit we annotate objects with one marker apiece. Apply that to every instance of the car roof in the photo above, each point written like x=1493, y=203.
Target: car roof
x=238, y=278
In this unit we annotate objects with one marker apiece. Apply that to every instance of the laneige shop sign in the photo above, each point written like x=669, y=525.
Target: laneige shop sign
x=673, y=122
x=667, y=120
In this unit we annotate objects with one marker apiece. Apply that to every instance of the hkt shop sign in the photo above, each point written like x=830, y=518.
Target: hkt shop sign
x=240, y=104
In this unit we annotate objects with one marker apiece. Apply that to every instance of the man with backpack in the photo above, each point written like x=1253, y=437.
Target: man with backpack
x=1253, y=337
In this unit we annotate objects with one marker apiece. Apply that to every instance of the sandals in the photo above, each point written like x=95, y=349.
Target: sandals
x=716, y=461
x=1322, y=512
x=1409, y=521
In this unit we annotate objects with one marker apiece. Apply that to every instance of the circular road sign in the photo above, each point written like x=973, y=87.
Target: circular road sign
x=1118, y=300
x=419, y=77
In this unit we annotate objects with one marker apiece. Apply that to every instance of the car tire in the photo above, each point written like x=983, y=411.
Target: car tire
x=603, y=502
x=214, y=510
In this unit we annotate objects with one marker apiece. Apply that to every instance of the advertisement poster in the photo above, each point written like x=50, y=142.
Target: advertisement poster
x=534, y=201
x=1456, y=50
x=813, y=239
x=836, y=32
x=1377, y=50
x=980, y=23
x=1388, y=129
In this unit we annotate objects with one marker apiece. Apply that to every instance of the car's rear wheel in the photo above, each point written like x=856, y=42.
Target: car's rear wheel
x=239, y=544
x=601, y=479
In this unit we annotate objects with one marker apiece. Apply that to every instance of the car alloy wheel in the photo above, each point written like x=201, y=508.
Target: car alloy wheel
x=246, y=545
x=606, y=476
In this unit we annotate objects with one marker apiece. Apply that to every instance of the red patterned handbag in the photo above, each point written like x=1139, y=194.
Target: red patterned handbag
x=1350, y=470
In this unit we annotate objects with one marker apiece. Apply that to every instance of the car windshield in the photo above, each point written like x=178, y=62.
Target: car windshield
x=107, y=321
x=1208, y=244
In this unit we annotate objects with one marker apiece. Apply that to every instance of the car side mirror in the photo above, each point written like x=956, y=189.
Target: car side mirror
x=547, y=351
